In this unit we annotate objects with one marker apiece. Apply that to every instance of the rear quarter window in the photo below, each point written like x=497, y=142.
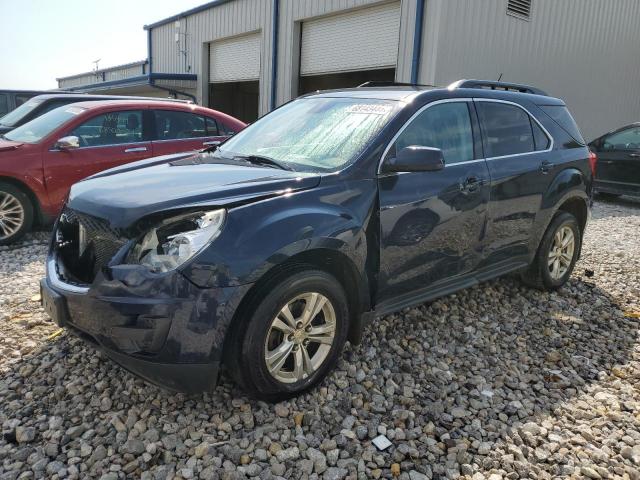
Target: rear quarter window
x=560, y=114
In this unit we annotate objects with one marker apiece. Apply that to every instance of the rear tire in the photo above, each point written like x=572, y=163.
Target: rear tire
x=557, y=254
x=16, y=213
x=290, y=337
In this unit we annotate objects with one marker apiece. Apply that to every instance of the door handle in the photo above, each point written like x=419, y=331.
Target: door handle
x=211, y=143
x=545, y=167
x=634, y=155
x=470, y=185
x=136, y=149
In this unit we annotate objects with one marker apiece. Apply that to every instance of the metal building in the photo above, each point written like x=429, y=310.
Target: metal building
x=248, y=56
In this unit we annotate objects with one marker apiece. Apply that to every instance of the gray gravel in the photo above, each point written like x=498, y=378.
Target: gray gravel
x=498, y=381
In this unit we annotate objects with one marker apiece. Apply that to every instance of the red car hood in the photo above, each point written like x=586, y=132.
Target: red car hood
x=9, y=145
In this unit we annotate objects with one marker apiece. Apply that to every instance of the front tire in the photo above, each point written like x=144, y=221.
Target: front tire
x=291, y=337
x=16, y=213
x=557, y=254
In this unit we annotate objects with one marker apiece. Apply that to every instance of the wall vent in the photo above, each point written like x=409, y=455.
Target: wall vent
x=519, y=8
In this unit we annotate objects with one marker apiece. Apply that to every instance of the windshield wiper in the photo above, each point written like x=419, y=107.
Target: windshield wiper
x=264, y=161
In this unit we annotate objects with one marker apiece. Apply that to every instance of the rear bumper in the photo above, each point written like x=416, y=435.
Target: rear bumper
x=163, y=329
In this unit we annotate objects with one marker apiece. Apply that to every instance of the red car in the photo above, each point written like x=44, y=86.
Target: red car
x=40, y=160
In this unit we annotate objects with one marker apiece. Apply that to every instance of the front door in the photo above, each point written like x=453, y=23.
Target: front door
x=178, y=131
x=618, y=169
x=105, y=141
x=433, y=223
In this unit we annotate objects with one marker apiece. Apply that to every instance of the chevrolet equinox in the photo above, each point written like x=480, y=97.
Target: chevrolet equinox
x=265, y=254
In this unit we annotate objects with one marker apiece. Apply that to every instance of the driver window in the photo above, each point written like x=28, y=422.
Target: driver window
x=446, y=126
x=625, y=140
x=112, y=128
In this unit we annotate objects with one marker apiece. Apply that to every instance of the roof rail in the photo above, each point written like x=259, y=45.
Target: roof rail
x=376, y=83
x=493, y=85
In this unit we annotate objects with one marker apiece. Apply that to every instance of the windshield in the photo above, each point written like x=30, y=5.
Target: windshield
x=40, y=127
x=14, y=116
x=313, y=134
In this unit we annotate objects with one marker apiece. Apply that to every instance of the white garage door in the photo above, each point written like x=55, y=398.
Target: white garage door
x=235, y=59
x=359, y=40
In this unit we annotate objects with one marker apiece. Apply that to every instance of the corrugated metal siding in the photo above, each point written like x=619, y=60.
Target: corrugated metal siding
x=292, y=13
x=101, y=76
x=226, y=20
x=584, y=51
x=235, y=59
x=369, y=39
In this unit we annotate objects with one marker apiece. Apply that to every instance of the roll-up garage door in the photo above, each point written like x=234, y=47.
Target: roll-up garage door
x=360, y=40
x=235, y=59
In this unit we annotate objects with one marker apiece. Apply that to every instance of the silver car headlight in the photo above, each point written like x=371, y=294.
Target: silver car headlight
x=169, y=245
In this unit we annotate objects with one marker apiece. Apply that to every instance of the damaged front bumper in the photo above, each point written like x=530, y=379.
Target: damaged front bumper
x=160, y=327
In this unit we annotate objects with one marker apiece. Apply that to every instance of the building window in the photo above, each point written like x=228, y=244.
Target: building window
x=519, y=8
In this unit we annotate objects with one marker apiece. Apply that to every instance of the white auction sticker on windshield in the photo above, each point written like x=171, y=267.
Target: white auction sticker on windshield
x=369, y=109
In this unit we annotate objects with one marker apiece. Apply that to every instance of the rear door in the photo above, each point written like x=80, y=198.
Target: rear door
x=179, y=131
x=433, y=223
x=106, y=140
x=618, y=168
x=519, y=155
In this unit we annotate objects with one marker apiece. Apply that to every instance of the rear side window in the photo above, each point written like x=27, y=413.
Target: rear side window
x=212, y=127
x=446, y=126
x=507, y=129
x=560, y=114
x=176, y=125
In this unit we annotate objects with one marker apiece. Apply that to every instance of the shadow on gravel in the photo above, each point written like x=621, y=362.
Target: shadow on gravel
x=444, y=381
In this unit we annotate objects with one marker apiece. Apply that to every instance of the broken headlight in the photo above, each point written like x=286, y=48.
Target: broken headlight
x=166, y=247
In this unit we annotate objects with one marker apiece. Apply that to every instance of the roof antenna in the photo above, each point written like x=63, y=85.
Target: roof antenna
x=499, y=77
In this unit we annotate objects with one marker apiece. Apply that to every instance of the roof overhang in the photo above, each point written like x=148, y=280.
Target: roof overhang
x=148, y=79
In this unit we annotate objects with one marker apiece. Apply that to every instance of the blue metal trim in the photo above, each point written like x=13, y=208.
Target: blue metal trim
x=417, y=42
x=174, y=76
x=274, y=54
x=186, y=13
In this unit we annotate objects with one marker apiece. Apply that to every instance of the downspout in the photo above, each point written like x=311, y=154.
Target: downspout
x=274, y=54
x=417, y=42
x=149, y=52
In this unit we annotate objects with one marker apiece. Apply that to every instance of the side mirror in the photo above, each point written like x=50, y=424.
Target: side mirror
x=416, y=159
x=67, y=143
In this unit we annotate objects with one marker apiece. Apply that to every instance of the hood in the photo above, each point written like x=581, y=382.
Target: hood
x=8, y=145
x=126, y=194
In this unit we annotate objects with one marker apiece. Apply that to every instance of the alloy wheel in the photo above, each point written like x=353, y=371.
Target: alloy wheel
x=561, y=252
x=11, y=215
x=300, y=337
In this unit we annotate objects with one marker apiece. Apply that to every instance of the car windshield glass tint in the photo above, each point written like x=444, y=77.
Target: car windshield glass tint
x=14, y=116
x=313, y=134
x=38, y=128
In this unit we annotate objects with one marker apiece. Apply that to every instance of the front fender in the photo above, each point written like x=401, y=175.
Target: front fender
x=262, y=235
x=568, y=184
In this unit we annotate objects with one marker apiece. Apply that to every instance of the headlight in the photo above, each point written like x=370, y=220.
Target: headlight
x=169, y=245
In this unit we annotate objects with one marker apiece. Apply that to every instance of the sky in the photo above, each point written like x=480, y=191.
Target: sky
x=41, y=40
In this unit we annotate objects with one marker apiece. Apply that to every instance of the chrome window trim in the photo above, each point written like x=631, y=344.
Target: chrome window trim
x=186, y=139
x=104, y=146
x=466, y=99
x=408, y=122
x=56, y=282
x=531, y=116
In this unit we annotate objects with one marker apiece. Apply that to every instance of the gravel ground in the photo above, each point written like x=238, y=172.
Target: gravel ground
x=498, y=381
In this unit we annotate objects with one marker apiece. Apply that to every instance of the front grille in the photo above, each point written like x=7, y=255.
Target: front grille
x=85, y=245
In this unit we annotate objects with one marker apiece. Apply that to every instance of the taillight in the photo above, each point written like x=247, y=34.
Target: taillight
x=593, y=161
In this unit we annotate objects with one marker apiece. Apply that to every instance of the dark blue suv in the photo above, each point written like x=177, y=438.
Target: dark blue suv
x=263, y=256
